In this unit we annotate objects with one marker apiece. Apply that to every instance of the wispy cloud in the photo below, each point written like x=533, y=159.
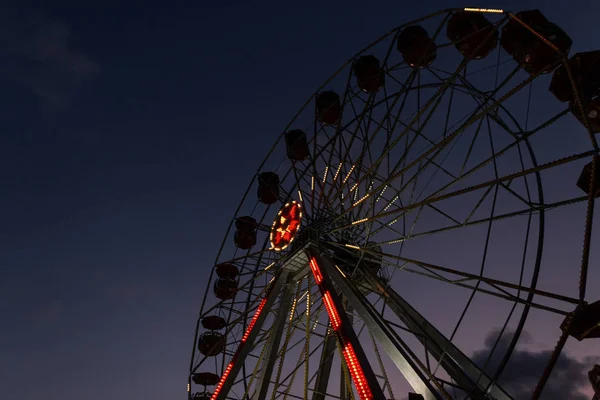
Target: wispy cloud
x=525, y=367
x=36, y=53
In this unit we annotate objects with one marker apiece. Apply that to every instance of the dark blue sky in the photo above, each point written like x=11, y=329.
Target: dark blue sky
x=128, y=134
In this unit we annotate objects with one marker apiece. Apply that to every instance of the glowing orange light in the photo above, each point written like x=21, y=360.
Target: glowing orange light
x=356, y=372
x=286, y=225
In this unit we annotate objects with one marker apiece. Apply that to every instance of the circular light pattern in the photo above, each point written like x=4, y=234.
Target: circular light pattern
x=286, y=225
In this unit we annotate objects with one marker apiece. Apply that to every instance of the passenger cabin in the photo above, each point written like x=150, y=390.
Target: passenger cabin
x=268, y=187
x=585, y=71
x=329, y=108
x=533, y=54
x=369, y=74
x=585, y=178
x=245, y=234
x=296, y=145
x=211, y=344
x=226, y=270
x=472, y=34
x=584, y=323
x=213, y=323
x=591, y=113
x=225, y=288
x=206, y=378
x=416, y=47
x=202, y=396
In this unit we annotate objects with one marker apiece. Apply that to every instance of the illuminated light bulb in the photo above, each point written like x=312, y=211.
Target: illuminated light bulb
x=396, y=241
x=362, y=199
x=390, y=203
x=348, y=176
x=325, y=174
x=382, y=192
x=484, y=10
x=338, y=171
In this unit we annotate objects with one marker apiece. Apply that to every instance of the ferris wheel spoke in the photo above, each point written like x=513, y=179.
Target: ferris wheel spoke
x=378, y=129
x=460, y=368
x=466, y=174
x=495, y=290
x=542, y=167
x=437, y=97
x=476, y=116
x=412, y=180
x=465, y=277
x=375, y=165
x=344, y=154
x=338, y=131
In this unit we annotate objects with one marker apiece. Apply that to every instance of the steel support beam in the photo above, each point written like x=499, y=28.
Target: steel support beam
x=390, y=341
x=460, y=367
x=345, y=330
x=275, y=339
x=230, y=373
x=344, y=395
x=324, y=368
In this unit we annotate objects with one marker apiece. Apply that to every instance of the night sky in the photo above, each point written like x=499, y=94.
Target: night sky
x=129, y=134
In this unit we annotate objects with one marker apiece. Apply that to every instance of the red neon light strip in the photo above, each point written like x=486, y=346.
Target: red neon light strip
x=356, y=371
x=237, y=353
x=316, y=271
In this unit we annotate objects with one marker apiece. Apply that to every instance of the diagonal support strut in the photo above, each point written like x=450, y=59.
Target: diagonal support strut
x=247, y=342
x=390, y=341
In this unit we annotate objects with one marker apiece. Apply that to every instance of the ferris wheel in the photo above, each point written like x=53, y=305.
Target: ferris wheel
x=401, y=216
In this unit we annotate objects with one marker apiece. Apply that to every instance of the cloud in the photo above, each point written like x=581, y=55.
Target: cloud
x=525, y=367
x=35, y=53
